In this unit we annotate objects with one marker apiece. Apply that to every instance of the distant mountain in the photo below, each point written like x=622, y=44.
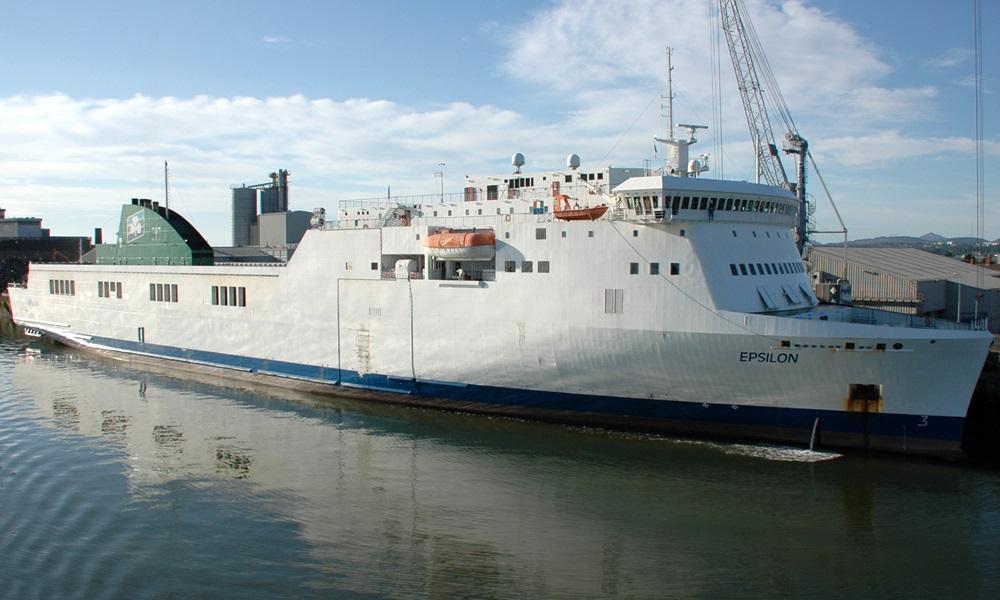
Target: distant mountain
x=928, y=241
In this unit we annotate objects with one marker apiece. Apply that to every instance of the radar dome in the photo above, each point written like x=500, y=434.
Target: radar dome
x=573, y=161
x=518, y=161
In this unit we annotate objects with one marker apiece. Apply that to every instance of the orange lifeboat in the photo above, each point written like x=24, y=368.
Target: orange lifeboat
x=565, y=211
x=462, y=245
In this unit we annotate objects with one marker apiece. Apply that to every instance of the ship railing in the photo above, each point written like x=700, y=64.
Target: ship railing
x=403, y=201
x=392, y=275
x=875, y=316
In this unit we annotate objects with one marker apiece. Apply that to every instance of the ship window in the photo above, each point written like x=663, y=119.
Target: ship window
x=654, y=268
x=675, y=268
x=526, y=266
x=374, y=266
x=52, y=286
x=543, y=266
x=614, y=300
x=118, y=290
x=152, y=291
x=635, y=233
x=682, y=233
x=506, y=235
x=232, y=295
x=600, y=175
x=173, y=291
x=449, y=213
x=166, y=292
x=159, y=292
x=418, y=236
x=509, y=266
x=242, y=296
x=72, y=287
x=563, y=234
x=633, y=268
x=540, y=233
x=100, y=289
x=215, y=295
x=685, y=202
x=743, y=269
x=224, y=296
x=753, y=269
x=732, y=268
x=768, y=268
x=590, y=233
x=141, y=334
x=754, y=233
x=704, y=204
x=734, y=233
x=435, y=214
x=767, y=233
x=498, y=211
x=569, y=179
x=760, y=269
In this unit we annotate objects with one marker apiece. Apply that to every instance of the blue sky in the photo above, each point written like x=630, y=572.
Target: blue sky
x=353, y=97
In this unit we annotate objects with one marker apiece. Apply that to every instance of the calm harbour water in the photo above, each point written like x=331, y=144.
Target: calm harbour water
x=118, y=483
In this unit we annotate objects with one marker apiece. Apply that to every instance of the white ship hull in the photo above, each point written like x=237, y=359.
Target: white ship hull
x=666, y=357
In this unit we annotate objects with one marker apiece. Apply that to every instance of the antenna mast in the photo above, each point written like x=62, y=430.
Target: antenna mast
x=670, y=93
x=166, y=188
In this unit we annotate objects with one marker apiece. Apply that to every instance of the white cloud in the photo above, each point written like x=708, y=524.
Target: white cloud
x=275, y=39
x=952, y=57
x=57, y=147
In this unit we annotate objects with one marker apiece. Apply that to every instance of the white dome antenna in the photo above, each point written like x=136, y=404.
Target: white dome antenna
x=573, y=161
x=518, y=161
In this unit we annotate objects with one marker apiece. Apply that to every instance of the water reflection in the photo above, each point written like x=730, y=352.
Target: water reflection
x=367, y=499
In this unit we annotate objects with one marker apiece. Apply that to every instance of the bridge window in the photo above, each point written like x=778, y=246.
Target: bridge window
x=543, y=266
x=526, y=266
x=675, y=268
x=732, y=269
x=633, y=268
x=509, y=266
x=540, y=233
x=654, y=268
x=743, y=269
x=753, y=269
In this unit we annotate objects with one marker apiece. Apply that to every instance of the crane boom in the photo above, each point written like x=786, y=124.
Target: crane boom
x=768, y=163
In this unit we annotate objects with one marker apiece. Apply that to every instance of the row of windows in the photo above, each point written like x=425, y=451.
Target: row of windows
x=63, y=287
x=647, y=204
x=654, y=268
x=781, y=268
x=163, y=292
x=229, y=296
x=109, y=289
x=527, y=266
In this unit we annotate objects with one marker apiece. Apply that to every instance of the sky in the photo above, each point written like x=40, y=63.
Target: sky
x=353, y=98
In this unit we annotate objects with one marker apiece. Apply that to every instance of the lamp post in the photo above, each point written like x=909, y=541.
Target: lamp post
x=441, y=175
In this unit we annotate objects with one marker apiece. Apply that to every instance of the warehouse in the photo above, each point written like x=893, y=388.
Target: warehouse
x=912, y=281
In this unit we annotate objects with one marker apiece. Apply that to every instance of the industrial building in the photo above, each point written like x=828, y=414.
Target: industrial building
x=24, y=240
x=912, y=281
x=275, y=226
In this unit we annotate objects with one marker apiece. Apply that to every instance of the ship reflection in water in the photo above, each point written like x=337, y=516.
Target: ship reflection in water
x=115, y=482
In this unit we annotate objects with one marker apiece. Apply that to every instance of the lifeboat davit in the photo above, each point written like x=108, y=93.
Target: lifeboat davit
x=462, y=245
x=564, y=211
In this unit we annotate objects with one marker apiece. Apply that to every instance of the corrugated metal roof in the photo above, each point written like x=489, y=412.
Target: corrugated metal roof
x=911, y=263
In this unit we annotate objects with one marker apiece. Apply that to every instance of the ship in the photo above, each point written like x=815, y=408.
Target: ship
x=668, y=303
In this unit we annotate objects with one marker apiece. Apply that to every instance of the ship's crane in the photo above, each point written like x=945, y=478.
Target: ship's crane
x=750, y=66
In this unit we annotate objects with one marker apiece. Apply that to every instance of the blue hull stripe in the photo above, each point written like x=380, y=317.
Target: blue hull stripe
x=619, y=410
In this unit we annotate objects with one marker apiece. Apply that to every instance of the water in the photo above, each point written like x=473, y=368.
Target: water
x=118, y=483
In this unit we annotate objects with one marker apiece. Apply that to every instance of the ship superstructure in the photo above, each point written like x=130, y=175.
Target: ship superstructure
x=681, y=304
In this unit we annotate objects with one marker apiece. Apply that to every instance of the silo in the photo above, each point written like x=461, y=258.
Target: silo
x=244, y=215
x=269, y=200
